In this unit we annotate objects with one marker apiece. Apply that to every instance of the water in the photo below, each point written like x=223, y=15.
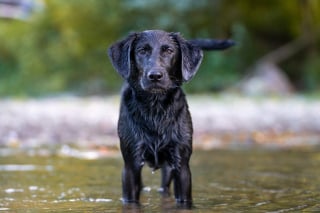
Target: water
x=223, y=181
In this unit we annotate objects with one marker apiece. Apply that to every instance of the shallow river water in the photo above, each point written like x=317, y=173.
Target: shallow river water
x=223, y=181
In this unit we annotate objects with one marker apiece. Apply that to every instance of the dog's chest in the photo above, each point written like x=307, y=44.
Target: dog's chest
x=154, y=129
x=159, y=127
x=158, y=131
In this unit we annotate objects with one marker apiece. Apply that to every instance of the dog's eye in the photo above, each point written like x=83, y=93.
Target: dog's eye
x=167, y=50
x=143, y=50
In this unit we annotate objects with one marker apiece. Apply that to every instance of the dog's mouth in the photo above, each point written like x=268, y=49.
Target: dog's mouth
x=155, y=88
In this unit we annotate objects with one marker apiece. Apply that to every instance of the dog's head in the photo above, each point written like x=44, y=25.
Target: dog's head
x=155, y=61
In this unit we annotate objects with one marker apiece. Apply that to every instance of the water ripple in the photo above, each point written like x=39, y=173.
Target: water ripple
x=25, y=167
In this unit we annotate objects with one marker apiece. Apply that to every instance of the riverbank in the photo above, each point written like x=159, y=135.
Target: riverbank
x=219, y=121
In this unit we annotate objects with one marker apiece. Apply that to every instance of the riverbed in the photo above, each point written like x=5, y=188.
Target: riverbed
x=233, y=180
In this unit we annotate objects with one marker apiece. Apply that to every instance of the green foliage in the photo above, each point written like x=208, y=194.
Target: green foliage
x=312, y=69
x=63, y=48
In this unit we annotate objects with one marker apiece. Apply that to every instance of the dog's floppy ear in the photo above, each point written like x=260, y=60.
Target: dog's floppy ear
x=119, y=54
x=191, y=57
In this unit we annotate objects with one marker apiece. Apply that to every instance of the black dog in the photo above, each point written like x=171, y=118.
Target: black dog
x=155, y=124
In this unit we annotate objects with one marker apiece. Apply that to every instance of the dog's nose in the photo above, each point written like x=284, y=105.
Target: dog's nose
x=155, y=75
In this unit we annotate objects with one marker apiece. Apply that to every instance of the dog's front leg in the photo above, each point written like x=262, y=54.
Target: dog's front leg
x=182, y=184
x=131, y=183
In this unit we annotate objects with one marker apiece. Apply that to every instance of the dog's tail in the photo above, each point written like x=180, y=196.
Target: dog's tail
x=212, y=44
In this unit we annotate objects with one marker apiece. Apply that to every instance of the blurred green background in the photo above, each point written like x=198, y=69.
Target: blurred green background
x=61, y=45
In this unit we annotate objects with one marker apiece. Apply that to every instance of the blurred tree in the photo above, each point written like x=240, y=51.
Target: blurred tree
x=64, y=47
x=61, y=48
x=287, y=34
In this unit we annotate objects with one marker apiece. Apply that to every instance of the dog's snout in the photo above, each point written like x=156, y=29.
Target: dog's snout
x=155, y=75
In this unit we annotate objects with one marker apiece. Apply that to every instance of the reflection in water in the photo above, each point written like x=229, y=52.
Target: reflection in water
x=223, y=180
x=23, y=167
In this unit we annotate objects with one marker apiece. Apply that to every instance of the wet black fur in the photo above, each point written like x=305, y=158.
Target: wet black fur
x=155, y=125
